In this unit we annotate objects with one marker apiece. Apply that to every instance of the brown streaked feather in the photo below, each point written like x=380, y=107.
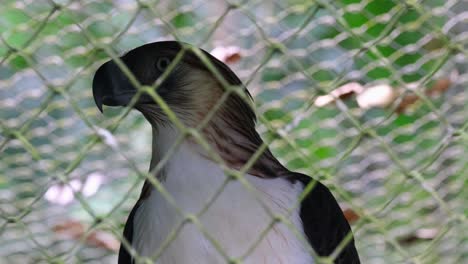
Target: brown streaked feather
x=231, y=130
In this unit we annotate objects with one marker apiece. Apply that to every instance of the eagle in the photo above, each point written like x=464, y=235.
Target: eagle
x=261, y=216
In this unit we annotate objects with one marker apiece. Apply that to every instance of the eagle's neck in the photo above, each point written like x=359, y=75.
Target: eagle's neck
x=162, y=140
x=169, y=148
x=233, y=142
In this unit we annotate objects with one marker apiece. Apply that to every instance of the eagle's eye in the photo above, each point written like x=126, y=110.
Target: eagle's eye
x=162, y=63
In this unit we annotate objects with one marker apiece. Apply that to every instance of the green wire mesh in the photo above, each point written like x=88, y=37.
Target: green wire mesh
x=398, y=170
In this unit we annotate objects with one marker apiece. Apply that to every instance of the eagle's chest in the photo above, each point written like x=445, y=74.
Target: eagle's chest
x=230, y=222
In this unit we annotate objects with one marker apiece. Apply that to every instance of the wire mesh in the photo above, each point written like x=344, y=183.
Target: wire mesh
x=396, y=163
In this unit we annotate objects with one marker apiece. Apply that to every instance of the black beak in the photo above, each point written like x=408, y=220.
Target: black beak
x=111, y=87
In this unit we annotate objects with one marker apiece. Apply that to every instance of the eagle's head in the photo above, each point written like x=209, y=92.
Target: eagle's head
x=190, y=84
x=196, y=87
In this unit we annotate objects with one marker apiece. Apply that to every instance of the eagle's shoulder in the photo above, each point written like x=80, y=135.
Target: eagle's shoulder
x=124, y=255
x=324, y=223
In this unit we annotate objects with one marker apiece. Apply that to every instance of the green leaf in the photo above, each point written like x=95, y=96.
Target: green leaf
x=355, y=19
x=323, y=75
x=272, y=74
x=18, y=63
x=183, y=20
x=403, y=120
x=13, y=17
x=101, y=29
x=72, y=40
x=408, y=37
x=379, y=7
x=274, y=114
x=407, y=59
x=350, y=43
x=379, y=73
x=18, y=39
x=325, y=152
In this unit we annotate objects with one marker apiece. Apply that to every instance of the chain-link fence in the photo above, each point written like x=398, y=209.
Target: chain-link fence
x=367, y=96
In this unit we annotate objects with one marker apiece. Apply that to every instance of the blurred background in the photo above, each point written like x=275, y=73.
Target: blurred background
x=368, y=96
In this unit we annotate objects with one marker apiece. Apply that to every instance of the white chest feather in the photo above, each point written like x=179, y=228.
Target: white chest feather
x=236, y=221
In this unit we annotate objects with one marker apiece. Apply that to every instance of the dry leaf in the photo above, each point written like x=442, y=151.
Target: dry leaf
x=64, y=193
x=381, y=95
x=69, y=228
x=104, y=240
x=73, y=229
x=351, y=215
x=92, y=184
x=229, y=54
x=341, y=92
x=420, y=234
x=439, y=87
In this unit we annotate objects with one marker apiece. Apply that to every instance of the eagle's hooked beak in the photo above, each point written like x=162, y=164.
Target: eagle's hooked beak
x=111, y=87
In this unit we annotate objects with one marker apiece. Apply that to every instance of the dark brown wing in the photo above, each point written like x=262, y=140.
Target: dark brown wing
x=324, y=222
x=124, y=255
